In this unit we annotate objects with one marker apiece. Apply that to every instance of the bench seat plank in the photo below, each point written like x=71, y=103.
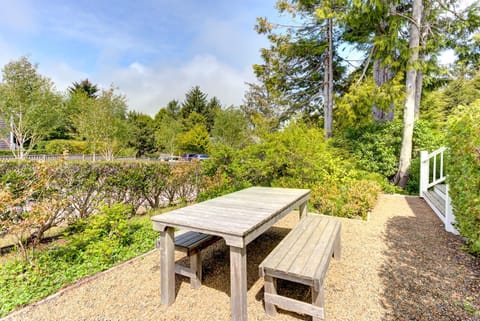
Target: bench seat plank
x=305, y=253
x=192, y=243
x=303, y=256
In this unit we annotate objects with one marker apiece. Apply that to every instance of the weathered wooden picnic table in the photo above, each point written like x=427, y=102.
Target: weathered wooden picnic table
x=239, y=218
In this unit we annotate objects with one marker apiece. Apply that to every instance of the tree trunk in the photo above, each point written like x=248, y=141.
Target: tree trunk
x=418, y=92
x=328, y=83
x=382, y=74
x=401, y=177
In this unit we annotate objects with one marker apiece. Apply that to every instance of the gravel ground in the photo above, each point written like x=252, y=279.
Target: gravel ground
x=399, y=265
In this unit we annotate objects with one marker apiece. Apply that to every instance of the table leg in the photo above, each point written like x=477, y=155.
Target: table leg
x=238, y=283
x=303, y=210
x=167, y=266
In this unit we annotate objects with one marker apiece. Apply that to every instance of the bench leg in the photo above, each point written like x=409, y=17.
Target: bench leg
x=337, y=249
x=270, y=287
x=196, y=267
x=302, y=211
x=318, y=301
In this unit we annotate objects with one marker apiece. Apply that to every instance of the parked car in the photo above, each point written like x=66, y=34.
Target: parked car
x=201, y=157
x=188, y=157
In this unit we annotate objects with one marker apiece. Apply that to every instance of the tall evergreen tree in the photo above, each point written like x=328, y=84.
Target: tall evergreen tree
x=195, y=101
x=301, y=68
x=86, y=86
x=141, y=133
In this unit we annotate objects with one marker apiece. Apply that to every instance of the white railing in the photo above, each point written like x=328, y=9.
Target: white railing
x=435, y=159
x=435, y=162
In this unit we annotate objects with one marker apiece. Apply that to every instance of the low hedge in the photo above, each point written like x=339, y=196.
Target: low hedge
x=35, y=196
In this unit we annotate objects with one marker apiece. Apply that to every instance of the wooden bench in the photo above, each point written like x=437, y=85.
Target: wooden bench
x=192, y=243
x=303, y=257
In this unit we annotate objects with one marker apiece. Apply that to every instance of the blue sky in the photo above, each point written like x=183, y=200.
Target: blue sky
x=154, y=51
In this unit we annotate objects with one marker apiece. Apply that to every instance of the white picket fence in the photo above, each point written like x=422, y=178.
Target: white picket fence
x=71, y=157
x=433, y=188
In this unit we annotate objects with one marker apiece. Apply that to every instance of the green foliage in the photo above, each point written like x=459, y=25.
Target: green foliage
x=195, y=140
x=36, y=196
x=101, y=122
x=376, y=147
x=31, y=202
x=354, y=108
x=100, y=242
x=440, y=103
x=195, y=101
x=298, y=157
x=230, y=128
x=84, y=86
x=166, y=135
x=141, y=134
x=463, y=163
x=60, y=146
x=345, y=197
x=29, y=103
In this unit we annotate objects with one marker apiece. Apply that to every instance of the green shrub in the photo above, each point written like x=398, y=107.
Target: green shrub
x=59, y=146
x=299, y=157
x=345, y=198
x=377, y=146
x=100, y=242
x=463, y=163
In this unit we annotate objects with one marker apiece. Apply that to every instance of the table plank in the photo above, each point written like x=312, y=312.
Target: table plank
x=234, y=215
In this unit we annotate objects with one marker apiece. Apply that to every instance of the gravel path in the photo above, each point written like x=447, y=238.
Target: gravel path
x=400, y=265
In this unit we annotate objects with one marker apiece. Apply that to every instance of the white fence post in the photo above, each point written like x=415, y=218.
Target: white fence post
x=424, y=172
x=449, y=217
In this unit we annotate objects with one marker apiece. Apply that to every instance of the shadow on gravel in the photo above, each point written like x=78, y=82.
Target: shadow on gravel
x=216, y=260
x=427, y=276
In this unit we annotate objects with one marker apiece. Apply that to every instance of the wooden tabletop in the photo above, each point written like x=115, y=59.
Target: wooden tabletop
x=239, y=216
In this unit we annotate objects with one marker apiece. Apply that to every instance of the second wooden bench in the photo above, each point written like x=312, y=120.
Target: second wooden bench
x=303, y=257
x=192, y=243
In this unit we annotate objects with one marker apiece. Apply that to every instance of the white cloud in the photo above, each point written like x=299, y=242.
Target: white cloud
x=62, y=74
x=233, y=39
x=17, y=15
x=150, y=87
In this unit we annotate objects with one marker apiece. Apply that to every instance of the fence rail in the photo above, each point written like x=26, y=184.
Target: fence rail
x=73, y=158
x=432, y=173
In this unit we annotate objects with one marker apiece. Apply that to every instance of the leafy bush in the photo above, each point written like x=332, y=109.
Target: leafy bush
x=377, y=146
x=59, y=146
x=345, y=197
x=463, y=163
x=100, y=242
x=299, y=157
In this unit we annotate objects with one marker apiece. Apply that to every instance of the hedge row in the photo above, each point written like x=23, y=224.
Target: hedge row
x=464, y=171
x=35, y=196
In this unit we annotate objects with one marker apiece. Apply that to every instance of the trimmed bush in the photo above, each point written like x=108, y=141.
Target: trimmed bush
x=463, y=163
x=36, y=196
